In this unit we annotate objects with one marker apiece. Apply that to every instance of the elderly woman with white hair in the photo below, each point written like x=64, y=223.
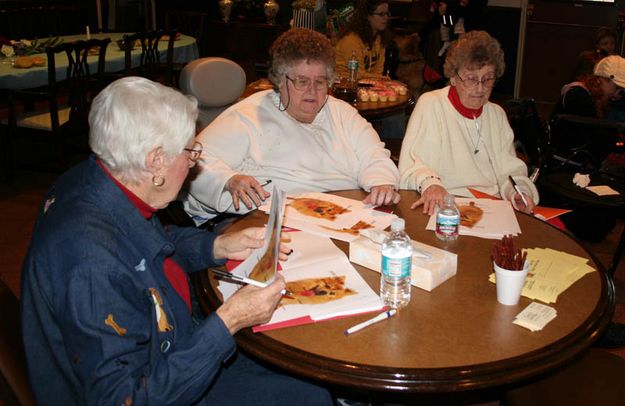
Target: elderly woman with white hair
x=107, y=311
x=458, y=140
x=296, y=136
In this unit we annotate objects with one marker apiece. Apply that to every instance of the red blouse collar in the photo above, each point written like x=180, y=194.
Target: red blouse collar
x=465, y=111
x=145, y=209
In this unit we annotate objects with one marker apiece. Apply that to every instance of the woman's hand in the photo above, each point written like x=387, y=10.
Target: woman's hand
x=246, y=189
x=251, y=305
x=382, y=195
x=519, y=204
x=239, y=244
x=430, y=198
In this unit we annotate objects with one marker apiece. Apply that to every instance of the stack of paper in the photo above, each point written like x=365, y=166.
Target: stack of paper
x=535, y=316
x=330, y=285
x=496, y=219
x=332, y=216
x=551, y=272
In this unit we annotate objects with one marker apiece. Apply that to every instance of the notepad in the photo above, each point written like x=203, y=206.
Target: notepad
x=535, y=316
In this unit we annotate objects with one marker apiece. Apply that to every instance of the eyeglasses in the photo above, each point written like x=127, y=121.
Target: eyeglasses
x=303, y=83
x=382, y=14
x=488, y=83
x=195, y=151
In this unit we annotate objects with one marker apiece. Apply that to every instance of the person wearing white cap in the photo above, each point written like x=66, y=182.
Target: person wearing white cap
x=591, y=94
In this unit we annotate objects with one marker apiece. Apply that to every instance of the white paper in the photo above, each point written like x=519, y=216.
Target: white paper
x=498, y=219
x=603, y=190
x=338, y=227
x=535, y=316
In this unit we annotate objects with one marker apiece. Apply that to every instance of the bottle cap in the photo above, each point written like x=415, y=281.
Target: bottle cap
x=398, y=224
x=449, y=200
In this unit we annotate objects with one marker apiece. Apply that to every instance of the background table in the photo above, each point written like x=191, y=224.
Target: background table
x=455, y=338
x=185, y=50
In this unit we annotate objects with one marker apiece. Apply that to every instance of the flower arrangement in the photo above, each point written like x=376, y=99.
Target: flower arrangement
x=25, y=47
x=304, y=4
x=506, y=256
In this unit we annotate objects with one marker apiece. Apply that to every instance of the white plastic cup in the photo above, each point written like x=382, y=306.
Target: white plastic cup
x=510, y=284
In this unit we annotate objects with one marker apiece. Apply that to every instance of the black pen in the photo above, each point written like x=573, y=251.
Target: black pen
x=516, y=187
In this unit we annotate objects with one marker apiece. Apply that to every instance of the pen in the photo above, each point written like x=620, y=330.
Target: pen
x=245, y=280
x=379, y=317
x=266, y=183
x=514, y=185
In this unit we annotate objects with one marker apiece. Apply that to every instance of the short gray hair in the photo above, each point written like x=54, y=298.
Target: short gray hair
x=133, y=115
x=474, y=50
x=297, y=45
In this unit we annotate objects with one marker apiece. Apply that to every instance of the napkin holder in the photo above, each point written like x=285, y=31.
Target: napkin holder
x=431, y=266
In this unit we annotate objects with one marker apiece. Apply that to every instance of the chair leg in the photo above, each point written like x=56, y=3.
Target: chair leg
x=618, y=253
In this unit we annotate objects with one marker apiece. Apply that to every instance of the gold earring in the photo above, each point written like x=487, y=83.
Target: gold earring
x=158, y=180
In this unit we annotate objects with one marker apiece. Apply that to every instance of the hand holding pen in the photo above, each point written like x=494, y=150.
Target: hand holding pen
x=520, y=200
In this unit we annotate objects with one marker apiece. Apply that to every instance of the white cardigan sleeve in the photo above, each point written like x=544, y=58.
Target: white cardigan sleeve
x=420, y=146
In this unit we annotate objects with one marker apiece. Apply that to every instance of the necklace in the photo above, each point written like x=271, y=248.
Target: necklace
x=476, y=145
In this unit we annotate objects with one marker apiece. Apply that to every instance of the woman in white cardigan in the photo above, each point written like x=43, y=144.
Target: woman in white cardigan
x=456, y=139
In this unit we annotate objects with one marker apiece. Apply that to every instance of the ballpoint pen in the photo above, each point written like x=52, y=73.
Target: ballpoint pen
x=382, y=316
x=516, y=187
x=265, y=183
x=244, y=280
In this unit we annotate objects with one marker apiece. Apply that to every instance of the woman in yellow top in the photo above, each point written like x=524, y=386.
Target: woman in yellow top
x=367, y=35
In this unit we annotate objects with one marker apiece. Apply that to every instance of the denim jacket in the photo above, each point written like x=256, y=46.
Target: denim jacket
x=101, y=322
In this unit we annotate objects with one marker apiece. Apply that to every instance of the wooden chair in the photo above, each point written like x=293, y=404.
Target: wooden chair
x=188, y=22
x=150, y=64
x=60, y=109
x=14, y=383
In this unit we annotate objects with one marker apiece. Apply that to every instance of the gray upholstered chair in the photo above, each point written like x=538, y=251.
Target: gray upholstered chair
x=215, y=82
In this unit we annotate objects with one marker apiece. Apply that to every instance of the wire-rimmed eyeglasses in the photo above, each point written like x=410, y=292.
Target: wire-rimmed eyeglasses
x=303, y=83
x=195, y=151
x=488, y=82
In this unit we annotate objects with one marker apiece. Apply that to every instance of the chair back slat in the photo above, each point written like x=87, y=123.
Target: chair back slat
x=150, y=65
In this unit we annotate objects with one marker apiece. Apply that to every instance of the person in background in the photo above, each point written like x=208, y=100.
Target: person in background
x=605, y=41
x=591, y=93
x=456, y=139
x=368, y=34
x=294, y=137
x=106, y=305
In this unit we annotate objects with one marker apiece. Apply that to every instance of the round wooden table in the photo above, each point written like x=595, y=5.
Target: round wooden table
x=453, y=339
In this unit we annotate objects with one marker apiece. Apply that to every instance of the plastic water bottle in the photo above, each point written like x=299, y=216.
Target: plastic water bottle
x=396, y=265
x=352, y=68
x=448, y=220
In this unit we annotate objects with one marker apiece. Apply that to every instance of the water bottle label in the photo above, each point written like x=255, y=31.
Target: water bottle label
x=447, y=225
x=396, y=267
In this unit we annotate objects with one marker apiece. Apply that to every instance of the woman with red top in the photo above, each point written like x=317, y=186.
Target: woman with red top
x=106, y=306
x=456, y=139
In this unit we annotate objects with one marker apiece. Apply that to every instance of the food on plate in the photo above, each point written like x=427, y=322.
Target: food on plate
x=23, y=62
x=38, y=61
x=316, y=290
x=363, y=95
